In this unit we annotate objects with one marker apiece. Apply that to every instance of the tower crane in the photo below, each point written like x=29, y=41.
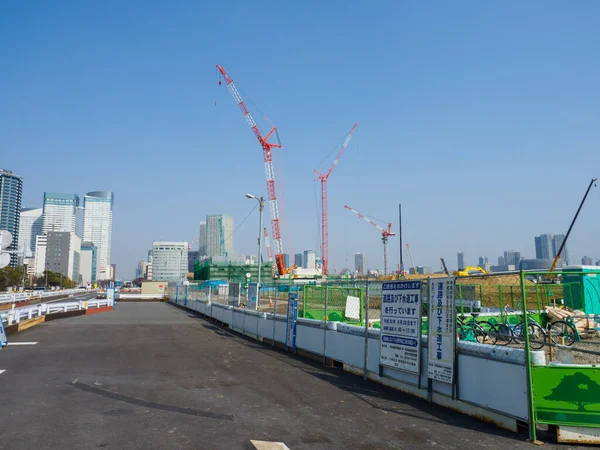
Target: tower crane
x=412, y=261
x=385, y=233
x=268, y=245
x=324, y=221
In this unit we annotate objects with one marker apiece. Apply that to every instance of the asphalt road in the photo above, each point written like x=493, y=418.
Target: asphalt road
x=150, y=376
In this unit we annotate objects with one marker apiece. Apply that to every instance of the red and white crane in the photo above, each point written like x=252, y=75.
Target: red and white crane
x=385, y=233
x=268, y=245
x=269, y=171
x=324, y=221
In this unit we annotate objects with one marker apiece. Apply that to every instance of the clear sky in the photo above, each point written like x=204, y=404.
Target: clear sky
x=481, y=118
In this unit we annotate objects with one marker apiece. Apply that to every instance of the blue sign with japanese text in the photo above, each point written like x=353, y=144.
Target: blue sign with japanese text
x=400, y=344
x=3, y=339
x=292, y=317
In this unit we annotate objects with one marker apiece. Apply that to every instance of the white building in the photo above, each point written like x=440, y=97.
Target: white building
x=87, y=263
x=30, y=226
x=169, y=261
x=60, y=212
x=219, y=235
x=310, y=259
x=40, y=255
x=97, y=228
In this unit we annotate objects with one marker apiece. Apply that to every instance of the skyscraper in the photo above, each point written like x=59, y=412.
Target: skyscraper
x=462, y=260
x=202, y=239
x=512, y=257
x=543, y=246
x=97, y=228
x=87, y=263
x=483, y=260
x=310, y=259
x=11, y=190
x=60, y=212
x=219, y=235
x=586, y=261
x=30, y=227
x=298, y=260
x=63, y=251
x=557, y=241
x=286, y=260
x=169, y=261
x=359, y=264
x=501, y=261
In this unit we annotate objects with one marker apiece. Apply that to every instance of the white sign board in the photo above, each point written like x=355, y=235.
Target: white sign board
x=442, y=329
x=252, y=294
x=352, y=308
x=401, y=325
x=110, y=294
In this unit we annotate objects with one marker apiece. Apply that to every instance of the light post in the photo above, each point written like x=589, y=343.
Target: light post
x=261, y=205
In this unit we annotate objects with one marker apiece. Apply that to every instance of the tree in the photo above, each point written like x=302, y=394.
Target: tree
x=55, y=279
x=10, y=277
x=578, y=389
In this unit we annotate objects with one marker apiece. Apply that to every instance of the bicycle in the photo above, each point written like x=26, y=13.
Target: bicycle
x=482, y=332
x=560, y=331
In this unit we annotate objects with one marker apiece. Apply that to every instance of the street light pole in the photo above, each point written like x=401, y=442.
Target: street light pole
x=261, y=205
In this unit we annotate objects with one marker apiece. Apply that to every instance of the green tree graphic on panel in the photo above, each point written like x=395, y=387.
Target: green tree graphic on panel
x=578, y=389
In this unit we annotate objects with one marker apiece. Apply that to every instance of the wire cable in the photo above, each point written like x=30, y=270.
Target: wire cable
x=241, y=223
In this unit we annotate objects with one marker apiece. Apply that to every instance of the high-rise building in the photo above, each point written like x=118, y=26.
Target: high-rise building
x=557, y=241
x=512, y=257
x=202, y=239
x=359, y=264
x=150, y=256
x=310, y=259
x=169, y=261
x=462, y=260
x=501, y=261
x=193, y=256
x=219, y=236
x=286, y=260
x=60, y=212
x=483, y=260
x=97, y=229
x=87, y=263
x=586, y=261
x=30, y=227
x=40, y=255
x=298, y=260
x=63, y=251
x=11, y=191
x=543, y=246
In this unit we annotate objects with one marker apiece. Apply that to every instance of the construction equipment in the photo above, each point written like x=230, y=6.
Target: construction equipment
x=324, y=222
x=385, y=233
x=269, y=171
x=412, y=261
x=467, y=271
x=444, y=266
x=268, y=245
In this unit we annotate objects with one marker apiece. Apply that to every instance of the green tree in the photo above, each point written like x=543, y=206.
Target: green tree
x=55, y=279
x=578, y=389
x=10, y=277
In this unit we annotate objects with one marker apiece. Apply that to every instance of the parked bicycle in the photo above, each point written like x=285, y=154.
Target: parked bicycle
x=563, y=332
x=473, y=330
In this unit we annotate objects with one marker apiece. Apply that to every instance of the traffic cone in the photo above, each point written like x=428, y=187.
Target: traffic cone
x=270, y=303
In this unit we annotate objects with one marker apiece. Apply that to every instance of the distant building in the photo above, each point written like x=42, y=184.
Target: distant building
x=169, y=261
x=148, y=275
x=286, y=260
x=359, y=264
x=298, y=260
x=97, y=229
x=483, y=260
x=150, y=256
x=193, y=256
x=60, y=212
x=202, y=239
x=310, y=259
x=557, y=241
x=536, y=264
x=501, y=268
x=113, y=272
x=424, y=270
x=586, y=261
x=11, y=190
x=462, y=260
x=88, y=263
x=543, y=246
x=40, y=255
x=30, y=226
x=501, y=261
x=63, y=253
x=219, y=236
x=512, y=257
x=598, y=262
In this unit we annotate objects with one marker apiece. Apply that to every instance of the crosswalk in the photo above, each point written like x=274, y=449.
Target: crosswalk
x=268, y=445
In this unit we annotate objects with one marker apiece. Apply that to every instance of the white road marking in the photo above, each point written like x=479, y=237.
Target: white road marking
x=267, y=445
x=22, y=343
x=2, y=371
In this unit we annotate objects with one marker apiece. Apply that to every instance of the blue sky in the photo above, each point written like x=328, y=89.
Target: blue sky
x=481, y=118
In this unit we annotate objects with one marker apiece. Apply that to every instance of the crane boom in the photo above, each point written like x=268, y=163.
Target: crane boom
x=268, y=245
x=269, y=171
x=324, y=207
x=444, y=266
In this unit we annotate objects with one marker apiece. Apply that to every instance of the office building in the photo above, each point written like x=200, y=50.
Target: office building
x=87, y=263
x=462, y=260
x=113, y=272
x=543, y=246
x=60, y=212
x=11, y=191
x=286, y=260
x=586, y=261
x=310, y=259
x=30, y=226
x=169, y=261
x=63, y=251
x=202, y=239
x=512, y=258
x=193, y=256
x=557, y=241
x=298, y=260
x=150, y=256
x=359, y=264
x=501, y=261
x=40, y=255
x=483, y=260
x=97, y=229
x=424, y=270
x=219, y=236
x=148, y=275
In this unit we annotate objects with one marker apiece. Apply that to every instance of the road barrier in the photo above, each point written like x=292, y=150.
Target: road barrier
x=17, y=297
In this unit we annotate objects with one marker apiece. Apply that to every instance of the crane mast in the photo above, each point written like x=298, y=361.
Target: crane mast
x=324, y=207
x=385, y=233
x=269, y=171
x=268, y=245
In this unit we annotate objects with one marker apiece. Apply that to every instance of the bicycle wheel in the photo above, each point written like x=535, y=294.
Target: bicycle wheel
x=537, y=336
x=562, y=331
x=490, y=330
x=479, y=333
x=505, y=334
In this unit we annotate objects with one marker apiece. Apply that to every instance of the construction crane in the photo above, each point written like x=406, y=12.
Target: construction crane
x=268, y=245
x=444, y=266
x=267, y=148
x=324, y=222
x=385, y=233
x=412, y=261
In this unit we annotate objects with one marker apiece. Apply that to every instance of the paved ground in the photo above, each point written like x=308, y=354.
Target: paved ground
x=149, y=376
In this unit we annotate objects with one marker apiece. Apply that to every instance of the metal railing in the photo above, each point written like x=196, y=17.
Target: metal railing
x=16, y=297
x=16, y=315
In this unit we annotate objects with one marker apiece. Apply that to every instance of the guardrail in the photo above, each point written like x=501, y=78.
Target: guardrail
x=16, y=297
x=16, y=315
